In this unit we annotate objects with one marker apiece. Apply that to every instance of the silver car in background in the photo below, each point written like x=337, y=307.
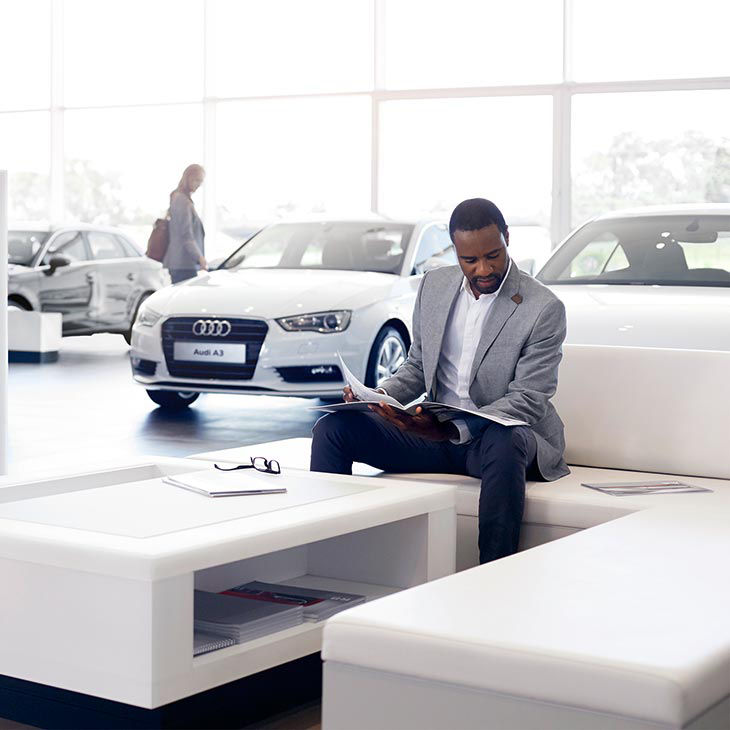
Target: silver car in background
x=94, y=276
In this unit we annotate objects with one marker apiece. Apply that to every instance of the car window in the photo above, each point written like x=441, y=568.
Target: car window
x=347, y=246
x=105, y=246
x=594, y=258
x=683, y=250
x=435, y=245
x=24, y=245
x=69, y=244
x=129, y=249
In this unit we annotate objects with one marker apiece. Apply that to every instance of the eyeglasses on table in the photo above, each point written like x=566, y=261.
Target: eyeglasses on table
x=267, y=466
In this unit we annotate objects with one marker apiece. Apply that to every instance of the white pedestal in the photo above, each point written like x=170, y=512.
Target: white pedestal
x=33, y=336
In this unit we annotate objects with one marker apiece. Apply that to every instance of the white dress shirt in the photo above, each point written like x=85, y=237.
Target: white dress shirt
x=464, y=328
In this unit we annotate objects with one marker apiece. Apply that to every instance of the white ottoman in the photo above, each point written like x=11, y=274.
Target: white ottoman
x=33, y=336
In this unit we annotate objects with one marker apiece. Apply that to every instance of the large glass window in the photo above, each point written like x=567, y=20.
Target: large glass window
x=292, y=157
x=25, y=141
x=25, y=54
x=133, y=51
x=435, y=153
x=651, y=39
x=648, y=148
x=430, y=43
x=122, y=164
x=290, y=46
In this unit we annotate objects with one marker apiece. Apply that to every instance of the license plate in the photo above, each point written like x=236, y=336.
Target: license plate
x=210, y=352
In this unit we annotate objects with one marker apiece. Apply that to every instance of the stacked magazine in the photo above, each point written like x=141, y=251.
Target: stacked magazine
x=203, y=642
x=317, y=605
x=242, y=619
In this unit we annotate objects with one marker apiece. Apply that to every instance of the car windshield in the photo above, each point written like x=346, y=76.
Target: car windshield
x=361, y=246
x=23, y=246
x=680, y=250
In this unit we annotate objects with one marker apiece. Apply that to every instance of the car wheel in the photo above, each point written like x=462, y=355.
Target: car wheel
x=388, y=353
x=170, y=400
x=21, y=306
x=128, y=333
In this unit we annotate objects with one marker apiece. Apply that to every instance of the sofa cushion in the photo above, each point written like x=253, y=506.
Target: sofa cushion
x=646, y=409
x=565, y=502
x=629, y=618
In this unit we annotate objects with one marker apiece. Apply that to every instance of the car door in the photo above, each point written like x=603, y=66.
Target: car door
x=116, y=274
x=68, y=289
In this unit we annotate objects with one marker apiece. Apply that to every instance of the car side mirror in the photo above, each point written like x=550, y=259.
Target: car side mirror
x=56, y=262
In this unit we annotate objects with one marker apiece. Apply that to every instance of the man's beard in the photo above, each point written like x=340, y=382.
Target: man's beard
x=488, y=286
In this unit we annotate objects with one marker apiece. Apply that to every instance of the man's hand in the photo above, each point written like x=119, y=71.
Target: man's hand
x=349, y=397
x=421, y=424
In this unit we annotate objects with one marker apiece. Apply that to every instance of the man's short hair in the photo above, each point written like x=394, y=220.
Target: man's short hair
x=474, y=214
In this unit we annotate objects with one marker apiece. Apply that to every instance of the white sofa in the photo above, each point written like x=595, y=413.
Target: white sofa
x=624, y=625
x=619, y=406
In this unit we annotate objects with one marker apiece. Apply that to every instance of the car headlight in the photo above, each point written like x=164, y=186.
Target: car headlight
x=147, y=317
x=324, y=322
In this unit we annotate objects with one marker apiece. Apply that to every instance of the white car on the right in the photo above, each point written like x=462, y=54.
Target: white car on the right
x=647, y=277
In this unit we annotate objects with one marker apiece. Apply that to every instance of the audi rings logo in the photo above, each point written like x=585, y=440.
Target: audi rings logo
x=212, y=328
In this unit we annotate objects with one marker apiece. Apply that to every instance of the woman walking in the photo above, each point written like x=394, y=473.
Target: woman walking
x=186, y=251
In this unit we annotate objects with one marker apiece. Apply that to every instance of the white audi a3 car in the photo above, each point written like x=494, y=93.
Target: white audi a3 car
x=272, y=318
x=647, y=277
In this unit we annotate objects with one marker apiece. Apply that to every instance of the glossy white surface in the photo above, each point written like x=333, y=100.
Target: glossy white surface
x=181, y=531
x=629, y=617
x=647, y=316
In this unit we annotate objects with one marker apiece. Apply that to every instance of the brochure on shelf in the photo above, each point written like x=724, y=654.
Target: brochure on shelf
x=241, y=619
x=628, y=489
x=368, y=397
x=203, y=642
x=317, y=605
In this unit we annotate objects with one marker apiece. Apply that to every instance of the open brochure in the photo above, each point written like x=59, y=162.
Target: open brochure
x=369, y=396
x=627, y=489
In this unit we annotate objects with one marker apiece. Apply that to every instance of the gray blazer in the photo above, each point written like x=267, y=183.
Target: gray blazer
x=186, y=234
x=515, y=368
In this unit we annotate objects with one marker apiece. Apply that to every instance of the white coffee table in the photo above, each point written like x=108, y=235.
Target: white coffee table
x=98, y=569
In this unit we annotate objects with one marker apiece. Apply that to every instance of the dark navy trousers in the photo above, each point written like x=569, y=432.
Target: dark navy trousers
x=500, y=456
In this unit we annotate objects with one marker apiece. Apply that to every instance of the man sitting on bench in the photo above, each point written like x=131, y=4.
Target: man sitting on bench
x=486, y=337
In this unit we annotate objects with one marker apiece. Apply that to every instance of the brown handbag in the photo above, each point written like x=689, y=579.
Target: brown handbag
x=159, y=239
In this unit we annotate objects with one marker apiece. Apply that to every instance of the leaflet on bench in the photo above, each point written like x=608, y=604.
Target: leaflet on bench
x=627, y=489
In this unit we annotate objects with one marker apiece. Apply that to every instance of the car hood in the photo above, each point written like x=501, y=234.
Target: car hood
x=271, y=293
x=647, y=316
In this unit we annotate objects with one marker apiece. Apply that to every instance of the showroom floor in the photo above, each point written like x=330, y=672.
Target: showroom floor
x=85, y=407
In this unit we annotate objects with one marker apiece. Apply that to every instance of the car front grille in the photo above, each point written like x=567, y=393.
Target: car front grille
x=250, y=332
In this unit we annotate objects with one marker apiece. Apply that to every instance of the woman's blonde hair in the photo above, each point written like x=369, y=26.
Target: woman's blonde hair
x=183, y=186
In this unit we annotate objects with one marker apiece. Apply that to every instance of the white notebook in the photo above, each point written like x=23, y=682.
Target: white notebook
x=216, y=483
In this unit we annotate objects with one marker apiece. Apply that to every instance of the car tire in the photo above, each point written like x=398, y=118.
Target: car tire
x=16, y=304
x=387, y=354
x=170, y=400
x=128, y=333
